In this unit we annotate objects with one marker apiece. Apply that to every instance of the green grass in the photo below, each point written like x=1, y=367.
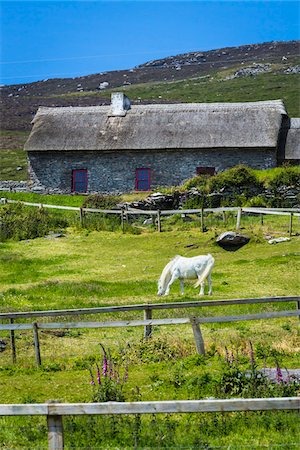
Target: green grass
x=102, y=268
x=65, y=199
x=9, y=161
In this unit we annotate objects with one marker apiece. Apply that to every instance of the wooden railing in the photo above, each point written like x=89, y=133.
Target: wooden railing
x=125, y=212
x=55, y=411
x=148, y=322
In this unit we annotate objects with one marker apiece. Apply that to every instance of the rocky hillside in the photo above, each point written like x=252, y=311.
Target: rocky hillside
x=20, y=102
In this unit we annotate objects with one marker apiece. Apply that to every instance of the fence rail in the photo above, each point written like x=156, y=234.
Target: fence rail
x=148, y=321
x=147, y=306
x=125, y=212
x=55, y=411
x=151, y=407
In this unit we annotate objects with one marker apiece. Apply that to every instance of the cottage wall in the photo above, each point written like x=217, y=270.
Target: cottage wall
x=115, y=171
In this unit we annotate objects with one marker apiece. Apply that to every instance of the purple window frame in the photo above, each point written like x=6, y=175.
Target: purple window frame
x=202, y=170
x=142, y=179
x=81, y=181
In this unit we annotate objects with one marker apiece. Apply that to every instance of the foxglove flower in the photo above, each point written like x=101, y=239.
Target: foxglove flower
x=104, y=367
x=279, y=377
x=98, y=375
x=92, y=382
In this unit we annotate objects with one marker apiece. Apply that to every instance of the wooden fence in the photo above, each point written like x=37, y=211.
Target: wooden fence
x=124, y=213
x=55, y=411
x=148, y=322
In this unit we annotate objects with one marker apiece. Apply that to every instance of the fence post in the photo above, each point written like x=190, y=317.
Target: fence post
x=202, y=220
x=13, y=344
x=122, y=220
x=81, y=216
x=198, y=336
x=291, y=225
x=261, y=219
x=298, y=304
x=147, y=316
x=158, y=221
x=224, y=217
x=238, y=218
x=36, y=344
x=55, y=431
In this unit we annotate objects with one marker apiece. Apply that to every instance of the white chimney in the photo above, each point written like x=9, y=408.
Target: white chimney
x=120, y=104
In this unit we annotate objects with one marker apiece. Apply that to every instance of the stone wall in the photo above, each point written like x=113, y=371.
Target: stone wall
x=14, y=186
x=115, y=171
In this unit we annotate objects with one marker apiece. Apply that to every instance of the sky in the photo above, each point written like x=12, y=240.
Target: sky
x=62, y=39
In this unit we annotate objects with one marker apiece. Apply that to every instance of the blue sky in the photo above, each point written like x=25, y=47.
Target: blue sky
x=51, y=39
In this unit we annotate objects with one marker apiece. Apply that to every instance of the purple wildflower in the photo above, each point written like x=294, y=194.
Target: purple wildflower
x=288, y=378
x=98, y=375
x=111, y=368
x=92, y=382
x=104, y=368
x=279, y=377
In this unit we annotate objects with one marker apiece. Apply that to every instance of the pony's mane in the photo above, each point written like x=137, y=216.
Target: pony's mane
x=165, y=275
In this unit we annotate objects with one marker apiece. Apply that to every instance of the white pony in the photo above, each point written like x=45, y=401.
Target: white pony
x=180, y=267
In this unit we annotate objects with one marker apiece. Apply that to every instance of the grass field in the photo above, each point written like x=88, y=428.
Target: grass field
x=102, y=268
x=87, y=269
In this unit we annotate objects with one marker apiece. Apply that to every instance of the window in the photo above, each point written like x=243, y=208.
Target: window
x=79, y=180
x=142, y=179
x=205, y=170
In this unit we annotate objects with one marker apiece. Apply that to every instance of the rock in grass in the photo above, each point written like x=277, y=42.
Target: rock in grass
x=278, y=240
x=231, y=240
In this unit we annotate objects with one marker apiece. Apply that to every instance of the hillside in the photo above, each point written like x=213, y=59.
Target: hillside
x=279, y=59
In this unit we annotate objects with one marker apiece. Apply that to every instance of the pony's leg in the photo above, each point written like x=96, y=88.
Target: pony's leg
x=202, y=288
x=174, y=277
x=209, y=284
x=201, y=284
x=182, y=287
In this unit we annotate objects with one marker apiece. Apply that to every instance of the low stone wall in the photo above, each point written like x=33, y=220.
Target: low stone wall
x=14, y=186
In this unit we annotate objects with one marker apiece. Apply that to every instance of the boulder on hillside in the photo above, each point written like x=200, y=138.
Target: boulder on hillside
x=232, y=241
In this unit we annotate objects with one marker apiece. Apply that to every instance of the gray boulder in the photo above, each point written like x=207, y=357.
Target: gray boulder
x=231, y=240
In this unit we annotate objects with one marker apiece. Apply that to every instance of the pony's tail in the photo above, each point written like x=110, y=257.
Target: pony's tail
x=207, y=270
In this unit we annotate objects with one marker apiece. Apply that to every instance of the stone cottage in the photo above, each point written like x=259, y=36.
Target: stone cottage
x=122, y=148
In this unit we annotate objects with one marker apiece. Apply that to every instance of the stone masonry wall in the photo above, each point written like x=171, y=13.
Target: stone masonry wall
x=115, y=171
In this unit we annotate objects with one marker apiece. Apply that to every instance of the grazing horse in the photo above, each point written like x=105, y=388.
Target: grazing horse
x=180, y=267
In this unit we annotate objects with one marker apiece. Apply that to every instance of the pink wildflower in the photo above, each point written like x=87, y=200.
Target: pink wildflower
x=92, y=382
x=104, y=368
x=98, y=375
x=279, y=377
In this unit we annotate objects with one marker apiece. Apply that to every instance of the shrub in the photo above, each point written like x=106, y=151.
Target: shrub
x=101, y=201
x=199, y=182
x=20, y=222
x=257, y=201
x=289, y=176
x=241, y=177
x=246, y=382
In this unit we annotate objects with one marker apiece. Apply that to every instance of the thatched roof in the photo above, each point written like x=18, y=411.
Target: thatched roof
x=292, y=148
x=160, y=126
